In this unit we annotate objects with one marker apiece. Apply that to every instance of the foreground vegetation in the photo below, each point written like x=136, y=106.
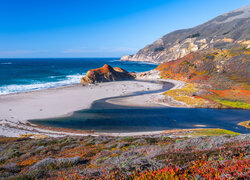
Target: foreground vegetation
x=192, y=156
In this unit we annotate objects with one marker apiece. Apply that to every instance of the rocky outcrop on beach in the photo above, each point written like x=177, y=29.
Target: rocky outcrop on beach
x=223, y=31
x=106, y=74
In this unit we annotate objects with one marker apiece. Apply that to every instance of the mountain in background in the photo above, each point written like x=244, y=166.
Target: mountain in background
x=222, y=32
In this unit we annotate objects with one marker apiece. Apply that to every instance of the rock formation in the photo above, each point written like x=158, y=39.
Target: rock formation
x=223, y=31
x=106, y=74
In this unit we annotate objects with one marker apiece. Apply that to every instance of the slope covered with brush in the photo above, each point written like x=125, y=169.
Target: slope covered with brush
x=220, y=76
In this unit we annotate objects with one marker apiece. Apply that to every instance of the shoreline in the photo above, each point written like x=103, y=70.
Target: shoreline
x=18, y=108
x=62, y=101
x=40, y=131
x=75, y=97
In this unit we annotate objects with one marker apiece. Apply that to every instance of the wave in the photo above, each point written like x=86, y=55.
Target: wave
x=17, y=88
x=117, y=60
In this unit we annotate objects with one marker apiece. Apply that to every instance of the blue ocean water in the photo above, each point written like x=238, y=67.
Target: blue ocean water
x=20, y=75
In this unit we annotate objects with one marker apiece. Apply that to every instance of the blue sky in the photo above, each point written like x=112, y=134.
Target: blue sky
x=97, y=28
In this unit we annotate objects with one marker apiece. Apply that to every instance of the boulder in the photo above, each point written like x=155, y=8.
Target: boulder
x=106, y=74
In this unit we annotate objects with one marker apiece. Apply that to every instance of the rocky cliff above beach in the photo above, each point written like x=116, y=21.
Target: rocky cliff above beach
x=224, y=31
x=106, y=74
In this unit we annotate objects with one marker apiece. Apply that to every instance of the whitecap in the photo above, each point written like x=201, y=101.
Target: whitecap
x=118, y=60
x=52, y=77
x=16, y=88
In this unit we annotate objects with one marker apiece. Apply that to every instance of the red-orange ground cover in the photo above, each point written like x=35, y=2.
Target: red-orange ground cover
x=214, y=170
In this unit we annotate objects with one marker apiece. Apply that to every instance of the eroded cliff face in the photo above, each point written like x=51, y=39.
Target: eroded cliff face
x=224, y=31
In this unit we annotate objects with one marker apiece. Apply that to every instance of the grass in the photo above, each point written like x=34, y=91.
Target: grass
x=213, y=132
x=186, y=95
x=190, y=100
x=233, y=103
x=188, y=90
x=245, y=124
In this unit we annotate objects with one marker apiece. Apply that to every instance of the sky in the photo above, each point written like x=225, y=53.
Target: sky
x=97, y=28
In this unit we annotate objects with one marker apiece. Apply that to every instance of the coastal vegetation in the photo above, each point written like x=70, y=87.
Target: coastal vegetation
x=186, y=95
x=201, y=169
x=212, y=132
x=215, y=78
x=193, y=154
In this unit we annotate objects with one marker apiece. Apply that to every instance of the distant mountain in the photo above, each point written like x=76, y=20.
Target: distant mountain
x=221, y=32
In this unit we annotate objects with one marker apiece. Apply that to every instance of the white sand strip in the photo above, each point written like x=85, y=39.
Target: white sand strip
x=152, y=99
x=63, y=100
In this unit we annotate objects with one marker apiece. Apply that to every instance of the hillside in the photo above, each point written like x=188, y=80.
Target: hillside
x=224, y=31
x=216, y=78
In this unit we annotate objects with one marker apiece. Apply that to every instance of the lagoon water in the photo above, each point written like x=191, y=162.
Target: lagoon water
x=124, y=119
x=20, y=75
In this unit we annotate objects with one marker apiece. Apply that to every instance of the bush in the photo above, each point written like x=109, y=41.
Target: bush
x=159, y=49
x=194, y=35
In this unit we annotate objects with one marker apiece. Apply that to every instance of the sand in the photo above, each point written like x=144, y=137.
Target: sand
x=152, y=99
x=17, y=109
x=64, y=100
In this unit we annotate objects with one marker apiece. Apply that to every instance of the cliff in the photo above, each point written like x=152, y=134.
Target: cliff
x=224, y=31
x=106, y=74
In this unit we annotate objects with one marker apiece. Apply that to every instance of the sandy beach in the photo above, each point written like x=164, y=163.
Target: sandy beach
x=17, y=108
x=62, y=101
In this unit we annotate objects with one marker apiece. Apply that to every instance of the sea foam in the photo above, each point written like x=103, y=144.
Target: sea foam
x=17, y=88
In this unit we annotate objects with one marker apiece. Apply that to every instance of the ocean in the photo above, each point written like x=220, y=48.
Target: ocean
x=21, y=75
